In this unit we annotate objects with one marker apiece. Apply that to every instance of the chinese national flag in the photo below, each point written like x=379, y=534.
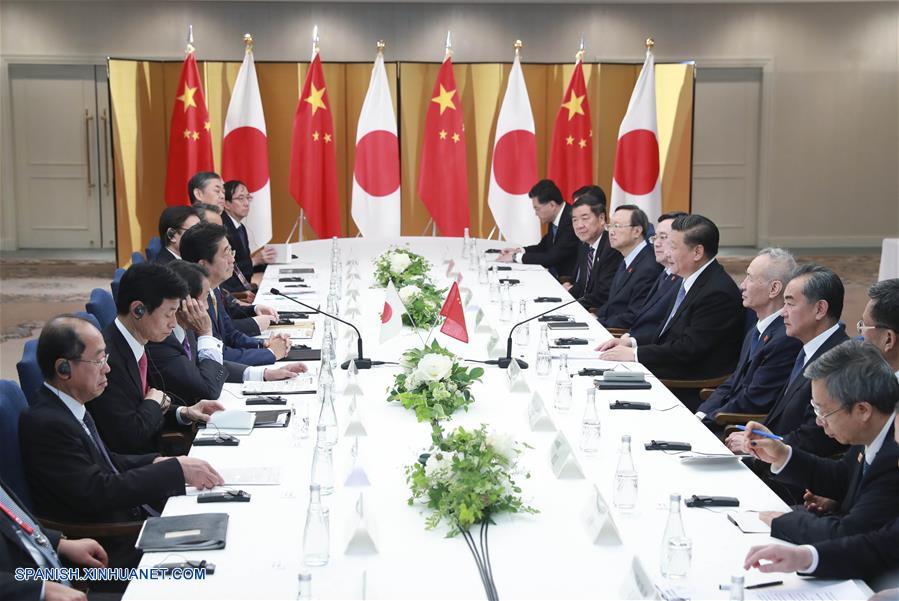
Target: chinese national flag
x=443, y=178
x=571, y=153
x=313, y=163
x=190, y=142
x=452, y=310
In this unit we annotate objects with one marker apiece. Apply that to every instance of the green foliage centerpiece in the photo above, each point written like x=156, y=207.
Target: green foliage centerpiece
x=467, y=477
x=410, y=273
x=433, y=383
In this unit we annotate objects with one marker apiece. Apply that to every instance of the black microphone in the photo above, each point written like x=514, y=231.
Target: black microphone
x=361, y=362
x=504, y=362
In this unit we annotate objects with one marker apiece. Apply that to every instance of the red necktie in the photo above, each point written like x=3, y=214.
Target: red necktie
x=142, y=368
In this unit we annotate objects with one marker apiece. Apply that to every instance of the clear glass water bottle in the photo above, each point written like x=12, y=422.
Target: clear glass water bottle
x=543, y=364
x=676, y=547
x=325, y=375
x=736, y=588
x=625, y=496
x=304, y=592
x=562, y=399
x=317, y=532
x=299, y=420
x=482, y=270
x=493, y=286
x=505, y=302
x=466, y=248
x=523, y=332
x=323, y=464
x=327, y=416
x=590, y=426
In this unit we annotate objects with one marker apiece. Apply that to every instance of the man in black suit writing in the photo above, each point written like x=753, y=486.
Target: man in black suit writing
x=597, y=261
x=854, y=394
x=173, y=222
x=701, y=335
x=72, y=474
x=557, y=250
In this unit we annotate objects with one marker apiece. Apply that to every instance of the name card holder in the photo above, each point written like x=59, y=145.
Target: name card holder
x=495, y=347
x=565, y=465
x=480, y=323
x=354, y=425
x=357, y=475
x=599, y=523
x=538, y=417
x=516, y=378
x=466, y=295
x=637, y=583
x=360, y=535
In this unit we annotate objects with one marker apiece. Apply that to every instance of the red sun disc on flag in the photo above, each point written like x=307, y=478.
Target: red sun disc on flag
x=387, y=313
x=246, y=157
x=515, y=161
x=377, y=152
x=637, y=162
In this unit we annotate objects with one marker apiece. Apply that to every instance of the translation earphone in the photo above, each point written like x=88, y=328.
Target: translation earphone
x=64, y=368
x=170, y=234
x=139, y=311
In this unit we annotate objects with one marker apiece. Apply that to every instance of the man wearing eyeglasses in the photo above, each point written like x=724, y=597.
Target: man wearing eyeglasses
x=879, y=324
x=237, y=207
x=854, y=394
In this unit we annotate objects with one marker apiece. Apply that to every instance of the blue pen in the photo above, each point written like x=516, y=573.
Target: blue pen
x=762, y=433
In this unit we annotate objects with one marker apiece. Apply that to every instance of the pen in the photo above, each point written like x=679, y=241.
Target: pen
x=763, y=585
x=762, y=433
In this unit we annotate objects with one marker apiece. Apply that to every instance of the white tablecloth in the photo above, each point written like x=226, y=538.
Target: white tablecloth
x=544, y=556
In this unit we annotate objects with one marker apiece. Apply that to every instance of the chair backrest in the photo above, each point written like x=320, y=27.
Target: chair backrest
x=90, y=317
x=116, y=279
x=136, y=258
x=12, y=403
x=153, y=248
x=30, y=378
x=101, y=307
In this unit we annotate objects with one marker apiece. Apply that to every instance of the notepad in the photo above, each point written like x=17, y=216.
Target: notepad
x=198, y=532
x=748, y=522
x=263, y=475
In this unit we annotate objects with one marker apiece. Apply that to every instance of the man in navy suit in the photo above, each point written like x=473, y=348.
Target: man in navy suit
x=237, y=207
x=173, y=222
x=207, y=245
x=635, y=274
x=649, y=316
x=813, y=302
x=597, y=261
x=557, y=250
x=854, y=395
x=768, y=354
x=701, y=335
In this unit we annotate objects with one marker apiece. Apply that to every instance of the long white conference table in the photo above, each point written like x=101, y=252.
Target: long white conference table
x=544, y=556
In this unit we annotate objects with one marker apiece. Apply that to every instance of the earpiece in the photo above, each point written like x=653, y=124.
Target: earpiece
x=139, y=311
x=170, y=234
x=64, y=368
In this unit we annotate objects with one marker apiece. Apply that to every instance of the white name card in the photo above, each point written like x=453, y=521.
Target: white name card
x=516, y=378
x=598, y=520
x=637, y=584
x=564, y=463
x=360, y=535
x=538, y=417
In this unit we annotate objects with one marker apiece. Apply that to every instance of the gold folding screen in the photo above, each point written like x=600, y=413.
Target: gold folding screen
x=142, y=94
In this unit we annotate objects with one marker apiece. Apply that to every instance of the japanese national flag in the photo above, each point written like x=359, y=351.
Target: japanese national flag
x=392, y=315
x=636, y=175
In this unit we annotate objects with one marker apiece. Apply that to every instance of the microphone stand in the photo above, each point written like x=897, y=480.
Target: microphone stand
x=503, y=362
x=361, y=362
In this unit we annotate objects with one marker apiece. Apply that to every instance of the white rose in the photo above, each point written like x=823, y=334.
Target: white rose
x=437, y=467
x=502, y=444
x=407, y=292
x=399, y=262
x=433, y=367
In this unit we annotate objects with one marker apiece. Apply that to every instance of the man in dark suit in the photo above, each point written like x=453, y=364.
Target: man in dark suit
x=190, y=359
x=701, y=335
x=879, y=324
x=206, y=188
x=813, y=302
x=131, y=414
x=173, y=222
x=636, y=272
x=768, y=354
x=854, y=395
x=557, y=250
x=648, y=318
x=72, y=474
x=237, y=207
x=24, y=544
x=207, y=245
x=597, y=262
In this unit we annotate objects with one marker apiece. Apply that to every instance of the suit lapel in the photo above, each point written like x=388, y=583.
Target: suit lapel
x=693, y=293
x=127, y=357
x=86, y=440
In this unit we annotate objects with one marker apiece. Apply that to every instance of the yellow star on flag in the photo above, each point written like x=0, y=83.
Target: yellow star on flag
x=315, y=99
x=569, y=140
x=327, y=138
x=582, y=143
x=456, y=138
x=196, y=135
x=445, y=99
x=442, y=134
x=315, y=136
x=187, y=134
x=207, y=126
x=188, y=97
x=574, y=105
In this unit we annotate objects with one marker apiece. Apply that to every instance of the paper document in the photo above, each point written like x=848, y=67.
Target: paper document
x=302, y=383
x=260, y=475
x=748, y=522
x=843, y=591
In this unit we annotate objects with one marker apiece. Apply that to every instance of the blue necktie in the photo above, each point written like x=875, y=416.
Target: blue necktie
x=98, y=442
x=681, y=293
x=797, y=367
x=754, y=341
x=552, y=231
x=37, y=539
